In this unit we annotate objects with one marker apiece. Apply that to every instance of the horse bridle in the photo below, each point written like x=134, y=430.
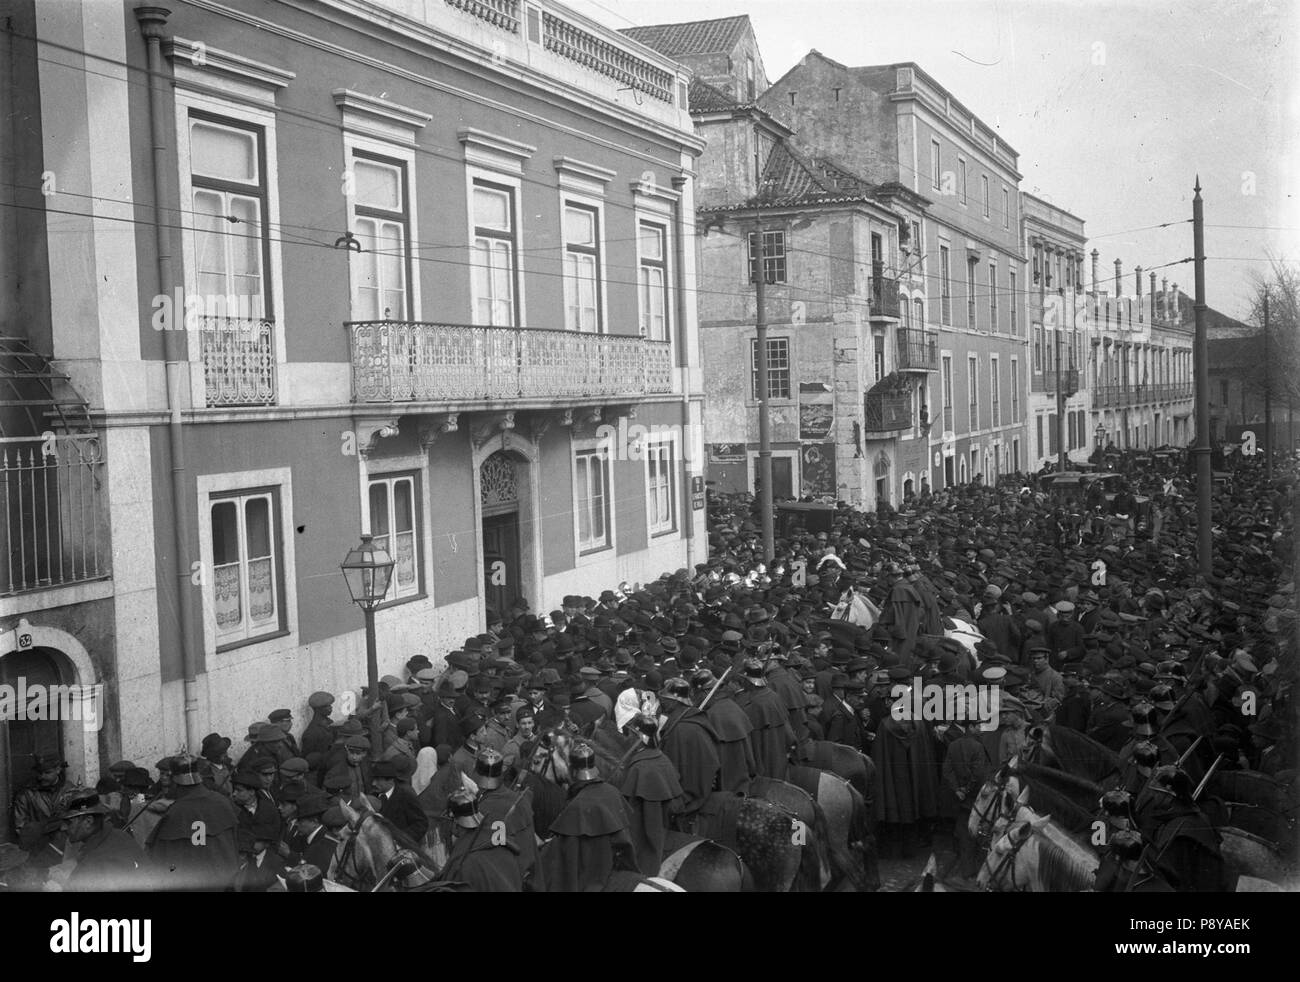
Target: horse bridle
x=349, y=856
x=984, y=831
x=1007, y=864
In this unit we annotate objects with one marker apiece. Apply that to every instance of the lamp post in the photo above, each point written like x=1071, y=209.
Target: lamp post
x=1099, y=436
x=367, y=570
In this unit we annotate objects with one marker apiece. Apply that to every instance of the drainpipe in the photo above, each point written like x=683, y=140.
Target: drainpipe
x=152, y=20
x=679, y=255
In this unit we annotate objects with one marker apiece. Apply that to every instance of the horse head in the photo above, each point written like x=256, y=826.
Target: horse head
x=1004, y=868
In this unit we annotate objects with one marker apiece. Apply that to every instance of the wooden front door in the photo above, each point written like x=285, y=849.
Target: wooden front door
x=501, y=580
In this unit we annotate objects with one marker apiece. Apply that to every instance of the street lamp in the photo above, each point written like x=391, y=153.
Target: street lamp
x=367, y=570
x=1099, y=436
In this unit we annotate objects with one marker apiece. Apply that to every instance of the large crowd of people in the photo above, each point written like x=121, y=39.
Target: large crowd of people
x=1090, y=614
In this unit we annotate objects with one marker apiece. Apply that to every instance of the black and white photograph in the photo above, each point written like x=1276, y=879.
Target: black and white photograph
x=650, y=446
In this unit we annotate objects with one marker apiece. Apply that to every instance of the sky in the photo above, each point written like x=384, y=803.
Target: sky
x=1114, y=106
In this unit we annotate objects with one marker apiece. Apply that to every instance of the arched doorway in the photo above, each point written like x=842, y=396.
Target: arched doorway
x=499, y=504
x=880, y=470
x=32, y=656
x=21, y=739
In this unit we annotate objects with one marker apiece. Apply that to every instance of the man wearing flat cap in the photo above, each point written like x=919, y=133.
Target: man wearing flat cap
x=317, y=738
x=283, y=718
x=105, y=858
x=40, y=801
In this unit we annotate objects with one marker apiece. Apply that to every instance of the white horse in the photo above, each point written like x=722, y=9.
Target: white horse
x=1035, y=855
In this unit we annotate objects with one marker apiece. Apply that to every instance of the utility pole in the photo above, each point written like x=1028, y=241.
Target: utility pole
x=764, y=397
x=1061, y=457
x=1268, y=400
x=1204, y=471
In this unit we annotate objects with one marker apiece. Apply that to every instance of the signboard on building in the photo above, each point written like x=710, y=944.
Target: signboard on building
x=817, y=476
x=816, y=410
x=697, y=493
x=726, y=453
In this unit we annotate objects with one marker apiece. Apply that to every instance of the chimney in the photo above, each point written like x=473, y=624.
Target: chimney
x=1095, y=256
x=1119, y=276
x=1137, y=276
x=1174, y=313
x=1164, y=297
x=1153, y=294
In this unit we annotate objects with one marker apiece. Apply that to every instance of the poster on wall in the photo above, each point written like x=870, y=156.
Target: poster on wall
x=817, y=473
x=726, y=453
x=816, y=410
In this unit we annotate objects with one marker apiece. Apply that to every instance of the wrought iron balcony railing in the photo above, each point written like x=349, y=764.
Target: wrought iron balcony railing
x=1046, y=381
x=416, y=361
x=887, y=413
x=56, y=512
x=918, y=350
x=238, y=356
x=884, y=297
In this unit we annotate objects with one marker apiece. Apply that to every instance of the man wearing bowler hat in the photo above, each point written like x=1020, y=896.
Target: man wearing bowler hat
x=194, y=845
x=397, y=802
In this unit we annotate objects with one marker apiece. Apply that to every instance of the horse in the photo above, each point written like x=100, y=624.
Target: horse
x=1255, y=803
x=1251, y=857
x=375, y=855
x=849, y=839
x=1075, y=753
x=1034, y=855
x=1014, y=786
x=817, y=863
x=703, y=866
x=851, y=764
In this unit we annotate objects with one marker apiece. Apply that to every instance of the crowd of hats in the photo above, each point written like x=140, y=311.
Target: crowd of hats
x=976, y=544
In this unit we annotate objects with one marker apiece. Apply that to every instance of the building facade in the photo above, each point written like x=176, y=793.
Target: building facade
x=1140, y=363
x=305, y=271
x=1059, y=325
x=962, y=276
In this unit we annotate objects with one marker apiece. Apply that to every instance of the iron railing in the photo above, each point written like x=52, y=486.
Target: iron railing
x=884, y=297
x=886, y=412
x=1046, y=381
x=918, y=350
x=417, y=361
x=56, y=515
x=238, y=361
x=605, y=58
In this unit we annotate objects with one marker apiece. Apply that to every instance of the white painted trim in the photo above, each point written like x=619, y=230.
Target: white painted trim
x=209, y=484
x=674, y=482
x=517, y=186
x=579, y=176
x=265, y=118
x=197, y=65
x=578, y=445
x=597, y=203
x=374, y=467
x=371, y=116
x=382, y=148
x=78, y=742
x=494, y=152
x=647, y=189
x=648, y=211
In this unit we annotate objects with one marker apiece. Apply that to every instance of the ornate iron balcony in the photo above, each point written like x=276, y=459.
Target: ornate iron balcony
x=884, y=297
x=416, y=361
x=238, y=361
x=918, y=350
x=887, y=413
